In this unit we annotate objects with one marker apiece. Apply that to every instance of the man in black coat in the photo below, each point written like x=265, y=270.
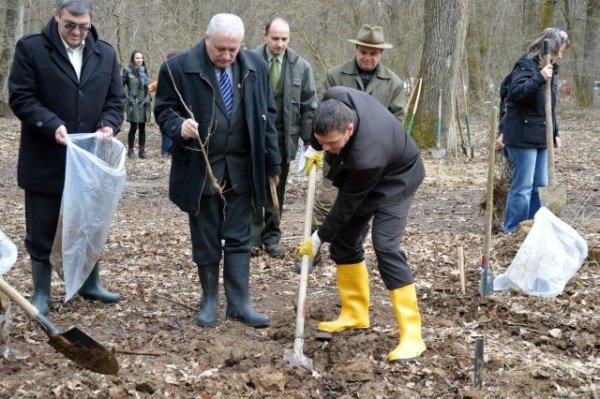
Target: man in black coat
x=377, y=168
x=63, y=80
x=216, y=98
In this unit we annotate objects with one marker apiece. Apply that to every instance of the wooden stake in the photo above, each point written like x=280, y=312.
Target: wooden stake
x=460, y=260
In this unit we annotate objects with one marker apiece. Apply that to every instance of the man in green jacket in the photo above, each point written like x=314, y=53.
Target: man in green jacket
x=295, y=99
x=364, y=72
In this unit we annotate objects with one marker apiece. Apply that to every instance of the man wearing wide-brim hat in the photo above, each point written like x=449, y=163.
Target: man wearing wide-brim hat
x=364, y=72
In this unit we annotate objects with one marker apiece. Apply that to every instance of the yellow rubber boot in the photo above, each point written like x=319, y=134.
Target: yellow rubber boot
x=406, y=309
x=353, y=286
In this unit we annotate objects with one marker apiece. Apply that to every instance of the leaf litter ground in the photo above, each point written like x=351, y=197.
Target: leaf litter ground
x=534, y=347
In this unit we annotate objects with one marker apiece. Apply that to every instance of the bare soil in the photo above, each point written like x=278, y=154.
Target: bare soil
x=534, y=347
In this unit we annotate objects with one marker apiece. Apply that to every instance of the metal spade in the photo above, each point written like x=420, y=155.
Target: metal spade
x=73, y=344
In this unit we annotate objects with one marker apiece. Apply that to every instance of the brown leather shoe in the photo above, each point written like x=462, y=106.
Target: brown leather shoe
x=274, y=250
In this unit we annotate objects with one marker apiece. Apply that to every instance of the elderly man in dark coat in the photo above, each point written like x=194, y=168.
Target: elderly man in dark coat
x=63, y=80
x=219, y=96
x=377, y=168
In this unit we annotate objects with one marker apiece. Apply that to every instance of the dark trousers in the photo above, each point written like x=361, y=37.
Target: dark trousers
x=265, y=230
x=41, y=218
x=216, y=221
x=389, y=223
x=131, y=135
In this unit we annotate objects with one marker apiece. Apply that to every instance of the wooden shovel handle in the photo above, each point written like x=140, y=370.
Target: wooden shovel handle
x=18, y=298
x=418, y=96
x=489, y=203
x=275, y=200
x=301, y=309
x=549, y=122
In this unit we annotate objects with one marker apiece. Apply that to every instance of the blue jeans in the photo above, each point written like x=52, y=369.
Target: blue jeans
x=529, y=167
x=165, y=144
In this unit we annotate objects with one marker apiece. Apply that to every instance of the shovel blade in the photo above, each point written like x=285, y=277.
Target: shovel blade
x=295, y=358
x=554, y=198
x=438, y=152
x=85, y=351
x=486, y=282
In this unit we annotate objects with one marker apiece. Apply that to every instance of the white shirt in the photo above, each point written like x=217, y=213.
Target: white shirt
x=75, y=55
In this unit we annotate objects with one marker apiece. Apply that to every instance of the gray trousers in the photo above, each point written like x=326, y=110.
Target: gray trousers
x=389, y=222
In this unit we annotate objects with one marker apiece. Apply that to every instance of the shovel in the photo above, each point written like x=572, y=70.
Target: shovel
x=73, y=344
x=438, y=151
x=414, y=111
x=553, y=197
x=296, y=357
x=486, y=282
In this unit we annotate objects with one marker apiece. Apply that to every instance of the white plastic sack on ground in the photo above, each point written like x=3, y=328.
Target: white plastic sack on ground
x=8, y=253
x=550, y=255
x=94, y=181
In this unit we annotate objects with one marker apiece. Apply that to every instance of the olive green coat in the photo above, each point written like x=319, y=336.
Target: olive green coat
x=385, y=86
x=138, y=98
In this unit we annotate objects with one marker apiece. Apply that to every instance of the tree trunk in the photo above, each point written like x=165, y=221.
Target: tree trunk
x=591, y=55
x=477, y=50
x=444, y=36
x=546, y=18
x=13, y=30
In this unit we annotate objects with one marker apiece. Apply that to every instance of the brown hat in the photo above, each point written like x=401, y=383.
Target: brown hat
x=371, y=36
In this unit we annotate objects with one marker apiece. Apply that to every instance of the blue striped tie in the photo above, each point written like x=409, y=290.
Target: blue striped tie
x=226, y=90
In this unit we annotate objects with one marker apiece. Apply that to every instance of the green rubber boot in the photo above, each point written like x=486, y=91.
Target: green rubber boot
x=91, y=288
x=41, y=273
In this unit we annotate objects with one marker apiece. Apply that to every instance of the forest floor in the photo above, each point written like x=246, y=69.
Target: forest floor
x=534, y=347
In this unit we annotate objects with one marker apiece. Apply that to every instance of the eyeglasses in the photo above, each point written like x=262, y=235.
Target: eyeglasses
x=71, y=26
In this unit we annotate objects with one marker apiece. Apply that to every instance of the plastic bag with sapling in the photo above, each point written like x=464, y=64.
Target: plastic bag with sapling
x=94, y=181
x=8, y=257
x=550, y=255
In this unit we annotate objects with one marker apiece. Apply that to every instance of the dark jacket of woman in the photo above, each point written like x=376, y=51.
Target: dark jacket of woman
x=524, y=124
x=45, y=93
x=138, y=97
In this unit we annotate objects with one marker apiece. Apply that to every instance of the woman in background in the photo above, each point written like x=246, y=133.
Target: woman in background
x=135, y=78
x=524, y=127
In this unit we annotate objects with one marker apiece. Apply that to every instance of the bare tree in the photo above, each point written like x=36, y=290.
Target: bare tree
x=444, y=34
x=547, y=15
x=13, y=30
x=591, y=54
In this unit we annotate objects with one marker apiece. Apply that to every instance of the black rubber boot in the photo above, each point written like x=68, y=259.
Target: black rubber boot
x=41, y=272
x=142, y=141
x=91, y=288
x=209, y=280
x=130, y=143
x=236, y=276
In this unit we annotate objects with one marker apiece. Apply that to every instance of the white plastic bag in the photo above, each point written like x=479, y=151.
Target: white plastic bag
x=550, y=255
x=8, y=253
x=94, y=181
x=301, y=159
x=8, y=257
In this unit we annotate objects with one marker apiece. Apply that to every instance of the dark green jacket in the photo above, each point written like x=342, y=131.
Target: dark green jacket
x=299, y=100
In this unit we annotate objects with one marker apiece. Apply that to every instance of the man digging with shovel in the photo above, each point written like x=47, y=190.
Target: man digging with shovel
x=377, y=168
